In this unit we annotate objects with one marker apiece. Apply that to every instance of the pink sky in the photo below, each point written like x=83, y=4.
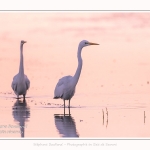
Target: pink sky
x=121, y=59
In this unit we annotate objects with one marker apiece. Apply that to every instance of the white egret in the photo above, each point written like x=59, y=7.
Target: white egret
x=65, y=88
x=20, y=83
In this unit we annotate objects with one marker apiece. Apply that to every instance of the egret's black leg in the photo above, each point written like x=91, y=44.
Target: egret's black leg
x=17, y=98
x=69, y=107
x=69, y=111
x=23, y=98
x=64, y=107
x=69, y=103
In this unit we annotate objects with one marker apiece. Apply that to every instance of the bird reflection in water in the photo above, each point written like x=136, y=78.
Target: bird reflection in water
x=104, y=116
x=65, y=125
x=21, y=113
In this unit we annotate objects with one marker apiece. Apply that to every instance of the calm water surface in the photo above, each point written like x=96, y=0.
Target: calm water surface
x=112, y=97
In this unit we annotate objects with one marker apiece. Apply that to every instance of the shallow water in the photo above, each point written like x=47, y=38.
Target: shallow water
x=112, y=97
x=43, y=117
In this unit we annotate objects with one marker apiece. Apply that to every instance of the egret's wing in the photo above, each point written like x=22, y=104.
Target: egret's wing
x=61, y=85
x=14, y=83
x=27, y=81
x=63, y=80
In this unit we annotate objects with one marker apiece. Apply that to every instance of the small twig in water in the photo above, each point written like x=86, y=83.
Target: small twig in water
x=144, y=116
x=106, y=112
x=103, y=116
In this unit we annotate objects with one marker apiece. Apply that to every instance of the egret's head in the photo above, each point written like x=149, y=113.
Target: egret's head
x=22, y=42
x=86, y=43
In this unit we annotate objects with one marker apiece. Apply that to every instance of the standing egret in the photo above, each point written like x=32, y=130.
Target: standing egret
x=65, y=88
x=20, y=83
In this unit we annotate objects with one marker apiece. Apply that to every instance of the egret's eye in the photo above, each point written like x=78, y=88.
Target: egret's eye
x=86, y=43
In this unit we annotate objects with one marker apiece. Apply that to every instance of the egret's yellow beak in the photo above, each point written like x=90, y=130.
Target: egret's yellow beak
x=90, y=43
x=25, y=41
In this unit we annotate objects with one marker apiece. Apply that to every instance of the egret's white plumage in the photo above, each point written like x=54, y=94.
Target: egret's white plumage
x=20, y=83
x=65, y=88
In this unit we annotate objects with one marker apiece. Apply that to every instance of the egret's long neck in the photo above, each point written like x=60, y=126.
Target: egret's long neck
x=78, y=71
x=21, y=68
